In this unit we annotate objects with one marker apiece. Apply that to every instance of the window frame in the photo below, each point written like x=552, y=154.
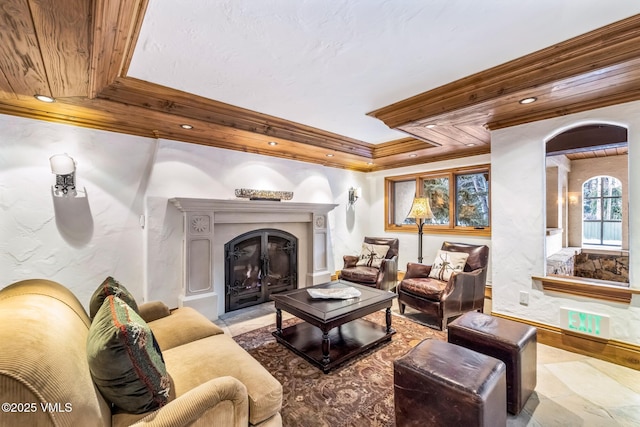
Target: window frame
x=601, y=198
x=419, y=178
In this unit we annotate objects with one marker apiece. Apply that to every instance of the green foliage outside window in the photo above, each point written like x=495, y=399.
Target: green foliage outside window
x=437, y=190
x=472, y=200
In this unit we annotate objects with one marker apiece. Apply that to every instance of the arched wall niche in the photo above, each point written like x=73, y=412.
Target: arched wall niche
x=575, y=155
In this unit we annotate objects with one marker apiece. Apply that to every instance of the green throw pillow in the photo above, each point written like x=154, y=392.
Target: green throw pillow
x=110, y=286
x=125, y=360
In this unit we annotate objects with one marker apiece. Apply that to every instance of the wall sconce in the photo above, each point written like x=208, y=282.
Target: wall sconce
x=354, y=194
x=64, y=167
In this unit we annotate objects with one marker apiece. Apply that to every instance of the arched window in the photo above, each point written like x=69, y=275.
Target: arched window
x=602, y=211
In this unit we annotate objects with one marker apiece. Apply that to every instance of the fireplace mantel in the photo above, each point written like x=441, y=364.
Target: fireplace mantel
x=200, y=263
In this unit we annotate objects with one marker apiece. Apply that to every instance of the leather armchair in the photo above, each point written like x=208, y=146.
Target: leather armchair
x=440, y=300
x=385, y=277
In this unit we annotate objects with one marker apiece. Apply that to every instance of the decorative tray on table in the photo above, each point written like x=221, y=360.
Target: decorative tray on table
x=334, y=293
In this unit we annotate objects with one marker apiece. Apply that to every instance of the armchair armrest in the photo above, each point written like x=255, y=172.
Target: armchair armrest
x=153, y=310
x=195, y=405
x=388, y=277
x=415, y=269
x=458, y=281
x=350, y=261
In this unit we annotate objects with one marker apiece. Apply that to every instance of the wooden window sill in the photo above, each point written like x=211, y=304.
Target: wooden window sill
x=586, y=288
x=463, y=231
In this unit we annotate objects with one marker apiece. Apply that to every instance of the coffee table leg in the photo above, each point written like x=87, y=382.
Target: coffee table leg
x=278, y=321
x=325, y=347
x=388, y=319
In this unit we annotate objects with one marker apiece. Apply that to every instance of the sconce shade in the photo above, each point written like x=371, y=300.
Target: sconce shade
x=420, y=209
x=354, y=194
x=62, y=164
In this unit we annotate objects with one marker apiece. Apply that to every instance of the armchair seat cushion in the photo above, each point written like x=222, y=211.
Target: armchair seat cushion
x=428, y=288
x=360, y=274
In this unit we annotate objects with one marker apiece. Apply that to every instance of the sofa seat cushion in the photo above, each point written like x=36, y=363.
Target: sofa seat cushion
x=360, y=274
x=124, y=359
x=182, y=326
x=194, y=363
x=428, y=288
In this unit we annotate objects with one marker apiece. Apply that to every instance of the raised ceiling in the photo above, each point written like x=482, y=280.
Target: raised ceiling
x=305, y=74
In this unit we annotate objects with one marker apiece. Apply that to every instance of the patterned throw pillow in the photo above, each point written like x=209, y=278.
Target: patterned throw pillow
x=372, y=255
x=125, y=360
x=446, y=263
x=110, y=286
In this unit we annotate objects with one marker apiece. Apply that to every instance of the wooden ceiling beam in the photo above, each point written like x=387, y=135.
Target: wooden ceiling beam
x=115, y=28
x=20, y=58
x=62, y=30
x=130, y=91
x=601, y=48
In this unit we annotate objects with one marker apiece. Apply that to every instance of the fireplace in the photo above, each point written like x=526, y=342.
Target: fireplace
x=209, y=224
x=257, y=264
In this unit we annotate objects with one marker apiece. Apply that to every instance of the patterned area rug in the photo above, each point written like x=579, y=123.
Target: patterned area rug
x=357, y=393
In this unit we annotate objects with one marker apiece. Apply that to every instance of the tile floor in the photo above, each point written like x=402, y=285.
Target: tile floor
x=572, y=389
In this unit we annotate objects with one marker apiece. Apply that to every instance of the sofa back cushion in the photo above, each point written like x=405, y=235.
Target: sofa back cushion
x=125, y=360
x=43, y=358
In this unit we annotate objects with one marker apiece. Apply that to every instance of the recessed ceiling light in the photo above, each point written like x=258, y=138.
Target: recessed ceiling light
x=528, y=100
x=430, y=126
x=413, y=155
x=44, y=98
x=329, y=155
x=273, y=143
x=369, y=163
x=186, y=126
x=471, y=144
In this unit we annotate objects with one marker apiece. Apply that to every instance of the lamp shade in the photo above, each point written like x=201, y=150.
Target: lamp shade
x=420, y=209
x=62, y=164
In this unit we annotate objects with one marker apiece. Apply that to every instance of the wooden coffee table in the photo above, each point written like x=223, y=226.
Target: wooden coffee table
x=333, y=330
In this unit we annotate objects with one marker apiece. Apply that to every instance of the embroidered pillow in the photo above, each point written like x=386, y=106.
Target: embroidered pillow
x=110, y=286
x=125, y=360
x=372, y=255
x=446, y=263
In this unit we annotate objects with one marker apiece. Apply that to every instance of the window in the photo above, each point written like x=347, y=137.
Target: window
x=459, y=200
x=602, y=211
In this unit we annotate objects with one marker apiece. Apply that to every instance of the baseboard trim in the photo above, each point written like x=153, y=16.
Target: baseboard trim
x=618, y=352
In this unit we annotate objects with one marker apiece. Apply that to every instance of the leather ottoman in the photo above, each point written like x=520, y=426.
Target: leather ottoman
x=512, y=342
x=441, y=384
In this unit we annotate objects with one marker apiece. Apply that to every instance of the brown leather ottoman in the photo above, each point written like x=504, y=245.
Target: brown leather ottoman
x=512, y=342
x=442, y=384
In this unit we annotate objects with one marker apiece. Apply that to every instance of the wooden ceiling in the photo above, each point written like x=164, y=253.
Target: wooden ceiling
x=78, y=52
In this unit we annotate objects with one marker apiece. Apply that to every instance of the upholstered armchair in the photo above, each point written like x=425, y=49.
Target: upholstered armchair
x=376, y=266
x=452, y=289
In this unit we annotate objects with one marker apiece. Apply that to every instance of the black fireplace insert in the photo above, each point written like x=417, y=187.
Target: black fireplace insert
x=257, y=264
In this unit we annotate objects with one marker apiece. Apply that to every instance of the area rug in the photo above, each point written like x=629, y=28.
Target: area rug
x=357, y=393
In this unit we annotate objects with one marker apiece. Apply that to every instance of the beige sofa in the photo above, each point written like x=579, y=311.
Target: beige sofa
x=45, y=378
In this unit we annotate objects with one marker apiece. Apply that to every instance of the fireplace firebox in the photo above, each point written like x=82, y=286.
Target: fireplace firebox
x=257, y=264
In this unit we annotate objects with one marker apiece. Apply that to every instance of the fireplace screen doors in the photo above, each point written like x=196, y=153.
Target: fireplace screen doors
x=257, y=264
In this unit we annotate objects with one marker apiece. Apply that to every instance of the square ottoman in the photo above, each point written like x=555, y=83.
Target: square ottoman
x=441, y=384
x=512, y=342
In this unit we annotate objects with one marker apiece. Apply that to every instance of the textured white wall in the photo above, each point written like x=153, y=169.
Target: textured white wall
x=187, y=170
x=518, y=197
x=88, y=238
x=126, y=177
